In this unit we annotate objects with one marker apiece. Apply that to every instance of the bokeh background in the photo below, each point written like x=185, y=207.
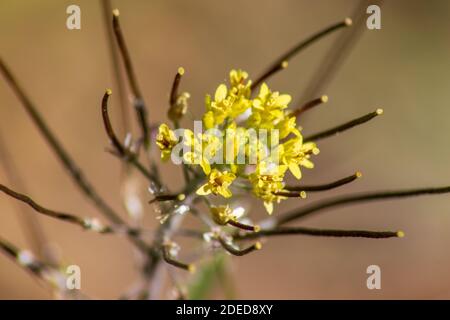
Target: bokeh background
x=402, y=68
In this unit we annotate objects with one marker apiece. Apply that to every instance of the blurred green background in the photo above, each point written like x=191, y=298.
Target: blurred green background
x=403, y=68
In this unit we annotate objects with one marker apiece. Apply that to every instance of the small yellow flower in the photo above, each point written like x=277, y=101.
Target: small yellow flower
x=267, y=182
x=203, y=149
x=294, y=153
x=165, y=140
x=269, y=106
x=228, y=102
x=222, y=214
x=287, y=126
x=237, y=81
x=218, y=183
x=218, y=109
x=240, y=90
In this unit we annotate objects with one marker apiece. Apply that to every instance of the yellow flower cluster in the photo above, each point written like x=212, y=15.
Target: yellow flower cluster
x=231, y=120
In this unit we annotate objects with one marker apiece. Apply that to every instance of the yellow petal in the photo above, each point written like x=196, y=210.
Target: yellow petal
x=203, y=190
x=257, y=104
x=229, y=176
x=205, y=166
x=308, y=146
x=295, y=170
x=269, y=207
x=307, y=164
x=221, y=93
x=264, y=90
x=165, y=155
x=296, y=132
x=282, y=169
x=225, y=192
x=163, y=128
x=208, y=120
x=214, y=174
x=284, y=99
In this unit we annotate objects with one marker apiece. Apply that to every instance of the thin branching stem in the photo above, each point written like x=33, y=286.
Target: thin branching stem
x=343, y=127
x=47, y=212
x=167, y=197
x=284, y=231
x=9, y=249
x=35, y=267
x=165, y=230
x=238, y=252
x=85, y=223
x=270, y=72
x=122, y=152
x=291, y=194
x=356, y=198
x=281, y=62
x=33, y=229
x=243, y=226
x=326, y=186
x=138, y=99
x=108, y=127
x=69, y=164
x=115, y=65
x=150, y=176
x=339, y=50
x=309, y=105
x=172, y=261
x=175, y=113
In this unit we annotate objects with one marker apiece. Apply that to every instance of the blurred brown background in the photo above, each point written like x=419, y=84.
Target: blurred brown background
x=402, y=68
